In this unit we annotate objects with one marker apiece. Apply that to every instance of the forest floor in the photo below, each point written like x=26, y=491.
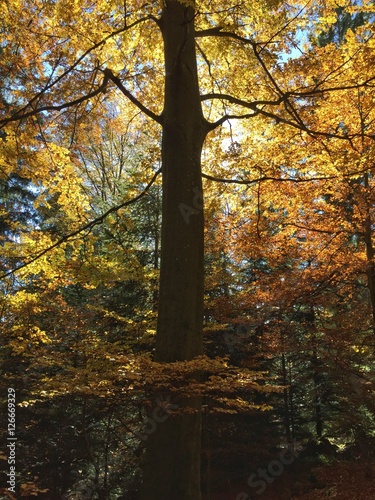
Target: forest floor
x=347, y=480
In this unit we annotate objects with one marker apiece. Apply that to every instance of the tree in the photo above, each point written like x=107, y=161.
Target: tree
x=75, y=57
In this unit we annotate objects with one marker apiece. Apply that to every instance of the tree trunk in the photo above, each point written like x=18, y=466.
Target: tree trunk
x=172, y=461
x=317, y=378
x=317, y=397
x=291, y=404
x=370, y=254
x=286, y=400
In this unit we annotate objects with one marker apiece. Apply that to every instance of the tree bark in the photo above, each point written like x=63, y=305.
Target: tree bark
x=286, y=400
x=370, y=254
x=172, y=461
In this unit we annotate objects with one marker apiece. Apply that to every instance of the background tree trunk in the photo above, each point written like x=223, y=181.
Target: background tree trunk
x=172, y=462
x=370, y=253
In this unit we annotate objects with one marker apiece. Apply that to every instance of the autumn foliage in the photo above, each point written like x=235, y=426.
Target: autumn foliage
x=287, y=92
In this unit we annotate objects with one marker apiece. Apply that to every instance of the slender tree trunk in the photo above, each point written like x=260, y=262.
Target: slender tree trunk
x=317, y=396
x=291, y=404
x=155, y=293
x=172, y=462
x=318, y=381
x=286, y=400
x=370, y=254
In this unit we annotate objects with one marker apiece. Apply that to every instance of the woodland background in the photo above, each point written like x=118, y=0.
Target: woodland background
x=289, y=311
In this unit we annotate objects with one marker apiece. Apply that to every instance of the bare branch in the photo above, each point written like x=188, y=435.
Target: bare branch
x=220, y=121
x=234, y=100
x=86, y=227
x=208, y=32
x=298, y=124
x=19, y=114
x=57, y=107
x=317, y=91
x=257, y=111
x=297, y=180
x=287, y=24
x=284, y=96
x=218, y=31
x=317, y=230
x=206, y=60
x=108, y=73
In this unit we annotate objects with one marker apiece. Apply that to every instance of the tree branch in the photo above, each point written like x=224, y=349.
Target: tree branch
x=108, y=73
x=220, y=121
x=286, y=179
x=317, y=230
x=298, y=124
x=57, y=107
x=218, y=31
x=254, y=106
x=284, y=96
x=234, y=100
x=86, y=227
x=317, y=91
x=18, y=115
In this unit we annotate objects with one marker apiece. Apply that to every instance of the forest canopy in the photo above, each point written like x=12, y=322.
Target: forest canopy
x=187, y=254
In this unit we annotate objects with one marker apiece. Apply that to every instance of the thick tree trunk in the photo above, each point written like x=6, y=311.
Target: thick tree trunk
x=184, y=128
x=172, y=462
